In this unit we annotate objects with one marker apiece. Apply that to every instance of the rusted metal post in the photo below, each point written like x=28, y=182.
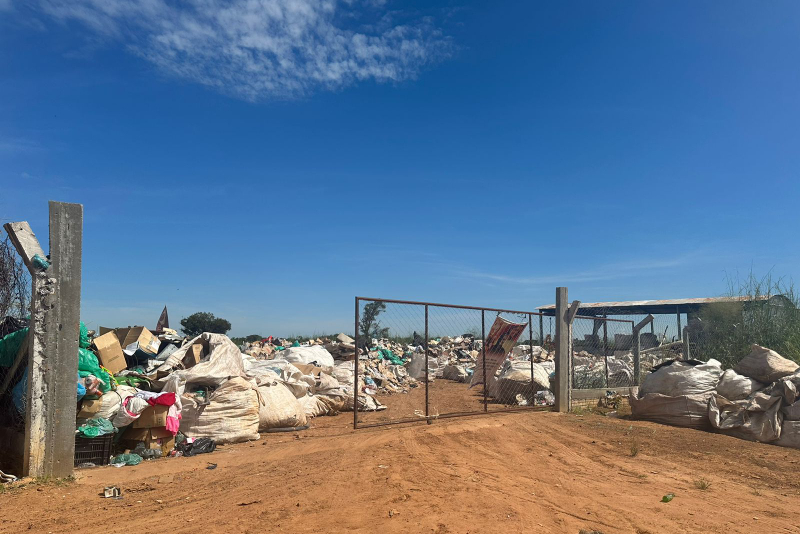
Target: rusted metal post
x=483, y=359
x=355, y=373
x=427, y=379
x=530, y=344
x=605, y=346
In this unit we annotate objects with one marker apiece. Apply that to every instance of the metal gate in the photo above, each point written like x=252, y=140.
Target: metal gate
x=422, y=361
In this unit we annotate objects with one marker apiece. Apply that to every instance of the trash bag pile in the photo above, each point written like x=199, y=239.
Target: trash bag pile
x=757, y=400
x=159, y=394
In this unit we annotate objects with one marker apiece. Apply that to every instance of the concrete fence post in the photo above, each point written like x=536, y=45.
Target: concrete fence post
x=52, y=342
x=563, y=384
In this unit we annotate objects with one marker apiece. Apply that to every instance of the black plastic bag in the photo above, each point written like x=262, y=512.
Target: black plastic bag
x=199, y=446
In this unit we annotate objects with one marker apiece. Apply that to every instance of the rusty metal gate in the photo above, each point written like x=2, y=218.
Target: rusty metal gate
x=422, y=361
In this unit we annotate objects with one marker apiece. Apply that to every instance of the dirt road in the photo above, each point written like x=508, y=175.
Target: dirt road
x=520, y=472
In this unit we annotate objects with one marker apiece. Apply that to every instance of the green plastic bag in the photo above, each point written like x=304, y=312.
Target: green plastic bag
x=96, y=427
x=83, y=339
x=9, y=346
x=387, y=354
x=87, y=363
x=127, y=459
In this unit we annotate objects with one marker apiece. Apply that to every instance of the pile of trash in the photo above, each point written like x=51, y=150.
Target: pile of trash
x=757, y=400
x=390, y=367
x=160, y=394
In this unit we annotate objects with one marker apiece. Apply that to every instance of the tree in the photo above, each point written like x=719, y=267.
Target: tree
x=369, y=325
x=200, y=322
x=247, y=339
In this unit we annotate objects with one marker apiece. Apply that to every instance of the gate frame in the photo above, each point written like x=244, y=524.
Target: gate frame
x=428, y=418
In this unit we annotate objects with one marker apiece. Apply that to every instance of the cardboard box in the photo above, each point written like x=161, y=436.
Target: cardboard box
x=193, y=355
x=153, y=438
x=104, y=330
x=109, y=352
x=154, y=416
x=89, y=408
x=148, y=343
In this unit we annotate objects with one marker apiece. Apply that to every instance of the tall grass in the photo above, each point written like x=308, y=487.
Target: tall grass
x=728, y=329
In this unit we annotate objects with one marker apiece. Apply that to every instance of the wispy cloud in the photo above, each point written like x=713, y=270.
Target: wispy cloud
x=19, y=145
x=263, y=49
x=597, y=274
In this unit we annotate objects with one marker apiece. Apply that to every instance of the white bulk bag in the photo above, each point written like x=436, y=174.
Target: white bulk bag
x=313, y=355
x=680, y=378
x=734, y=386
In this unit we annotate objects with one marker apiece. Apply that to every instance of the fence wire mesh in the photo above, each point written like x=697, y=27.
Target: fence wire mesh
x=423, y=361
x=15, y=287
x=602, y=353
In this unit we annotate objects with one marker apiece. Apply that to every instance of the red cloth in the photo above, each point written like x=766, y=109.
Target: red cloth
x=165, y=399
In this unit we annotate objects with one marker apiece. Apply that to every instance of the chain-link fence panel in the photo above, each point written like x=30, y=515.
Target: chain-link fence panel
x=602, y=353
x=454, y=349
x=391, y=362
x=525, y=376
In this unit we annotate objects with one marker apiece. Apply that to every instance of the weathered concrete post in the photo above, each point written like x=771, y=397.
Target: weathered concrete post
x=66, y=247
x=53, y=340
x=563, y=356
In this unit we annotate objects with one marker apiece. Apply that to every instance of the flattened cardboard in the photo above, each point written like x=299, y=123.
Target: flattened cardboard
x=307, y=369
x=154, y=416
x=89, y=408
x=193, y=355
x=109, y=352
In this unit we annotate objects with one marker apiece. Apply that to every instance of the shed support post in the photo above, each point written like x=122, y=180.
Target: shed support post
x=541, y=331
x=686, y=351
x=637, y=347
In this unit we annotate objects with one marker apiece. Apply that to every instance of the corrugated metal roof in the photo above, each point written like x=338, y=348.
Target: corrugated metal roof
x=633, y=305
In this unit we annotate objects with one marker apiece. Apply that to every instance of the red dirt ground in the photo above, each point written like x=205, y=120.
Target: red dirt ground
x=517, y=472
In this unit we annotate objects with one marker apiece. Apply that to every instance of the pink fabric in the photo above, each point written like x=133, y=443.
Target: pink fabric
x=173, y=419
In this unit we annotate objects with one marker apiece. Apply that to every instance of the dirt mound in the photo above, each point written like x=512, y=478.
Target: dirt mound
x=521, y=472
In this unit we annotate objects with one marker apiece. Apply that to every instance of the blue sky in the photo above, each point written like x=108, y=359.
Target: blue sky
x=268, y=161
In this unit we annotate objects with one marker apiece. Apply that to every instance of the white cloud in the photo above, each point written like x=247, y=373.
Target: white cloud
x=263, y=49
